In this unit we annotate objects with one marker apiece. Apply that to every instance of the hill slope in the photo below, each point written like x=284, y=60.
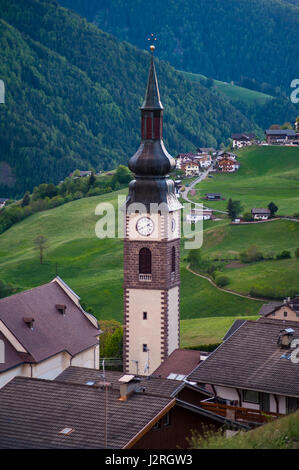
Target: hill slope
x=73, y=93
x=223, y=39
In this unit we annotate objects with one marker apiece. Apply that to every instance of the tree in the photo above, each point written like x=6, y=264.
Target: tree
x=41, y=244
x=26, y=199
x=92, y=180
x=234, y=208
x=287, y=125
x=272, y=208
x=297, y=253
x=247, y=217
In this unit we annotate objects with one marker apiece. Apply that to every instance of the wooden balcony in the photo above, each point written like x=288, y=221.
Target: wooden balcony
x=237, y=413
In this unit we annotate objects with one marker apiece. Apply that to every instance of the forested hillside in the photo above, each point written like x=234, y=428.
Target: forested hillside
x=72, y=98
x=223, y=39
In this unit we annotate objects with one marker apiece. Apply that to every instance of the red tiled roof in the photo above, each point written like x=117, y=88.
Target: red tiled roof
x=180, y=361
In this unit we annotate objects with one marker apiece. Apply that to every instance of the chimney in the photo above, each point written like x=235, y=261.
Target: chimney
x=29, y=322
x=285, y=338
x=61, y=308
x=128, y=385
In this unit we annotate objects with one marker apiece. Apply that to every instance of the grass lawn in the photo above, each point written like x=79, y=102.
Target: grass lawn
x=266, y=174
x=233, y=92
x=206, y=330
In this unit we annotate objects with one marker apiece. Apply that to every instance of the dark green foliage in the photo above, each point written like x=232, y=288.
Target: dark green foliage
x=285, y=254
x=251, y=255
x=26, y=199
x=297, y=253
x=272, y=208
x=224, y=39
x=234, y=208
x=205, y=347
x=222, y=281
x=73, y=95
x=247, y=217
x=6, y=289
x=111, y=341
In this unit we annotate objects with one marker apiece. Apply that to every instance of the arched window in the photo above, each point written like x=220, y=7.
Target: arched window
x=145, y=261
x=173, y=259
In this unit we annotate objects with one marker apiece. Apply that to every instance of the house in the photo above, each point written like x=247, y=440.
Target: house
x=260, y=214
x=243, y=140
x=198, y=214
x=205, y=160
x=228, y=165
x=2, y=202
x=81, y=174
x=190, y=168
x=44, y=330
x=253, y=369
x=89, y=412
x=296, y=125
x=286, y=310
x=213, y=196
x=209, y=150
x=279, y=136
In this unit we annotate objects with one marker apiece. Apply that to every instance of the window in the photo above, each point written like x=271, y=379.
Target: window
x=166, y=419
x=285, y=314
x=144, y=347
x=173, y=259
x=144, y=315
x=145, y=261
x=251, y=396
x=291, y=404
x=157, y=425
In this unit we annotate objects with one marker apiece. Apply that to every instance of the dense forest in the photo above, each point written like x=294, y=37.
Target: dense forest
x=72, y=98
x=223, y=39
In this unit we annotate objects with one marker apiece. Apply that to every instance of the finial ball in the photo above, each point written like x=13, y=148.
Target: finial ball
x=152, y=48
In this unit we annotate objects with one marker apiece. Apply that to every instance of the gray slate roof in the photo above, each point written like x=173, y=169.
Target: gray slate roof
x=34, y=411
x=268, y=308
x=288, y=132
x=251, y=359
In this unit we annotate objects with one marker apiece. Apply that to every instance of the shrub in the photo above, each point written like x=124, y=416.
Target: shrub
x=247, y=217
x=251, y=255
x=285, y=254
x=222, y=281
x=296, y=215
x=297, y=253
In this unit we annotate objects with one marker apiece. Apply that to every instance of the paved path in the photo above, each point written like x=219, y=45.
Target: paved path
x=194, y=183
x=226, y=290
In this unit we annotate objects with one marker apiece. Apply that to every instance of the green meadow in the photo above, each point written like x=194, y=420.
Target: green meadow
x=266, y=174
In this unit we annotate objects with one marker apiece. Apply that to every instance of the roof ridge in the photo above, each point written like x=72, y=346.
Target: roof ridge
x=25, y=291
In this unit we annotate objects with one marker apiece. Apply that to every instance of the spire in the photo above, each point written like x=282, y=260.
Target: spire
x=152, y=96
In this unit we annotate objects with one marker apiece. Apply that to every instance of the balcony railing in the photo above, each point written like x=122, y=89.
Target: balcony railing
x=238, y=413
x=145, y=277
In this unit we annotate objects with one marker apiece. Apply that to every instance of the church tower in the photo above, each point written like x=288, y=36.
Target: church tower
x=151, y=246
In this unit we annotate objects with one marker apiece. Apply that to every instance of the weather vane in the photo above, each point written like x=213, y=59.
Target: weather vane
x=152, y=40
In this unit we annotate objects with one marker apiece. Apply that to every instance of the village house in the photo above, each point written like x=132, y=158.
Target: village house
x=3, y=203
x=205, y=160
x=280, y=136
x=253, y=367
x=198, y=214
x=209, y=150
x=286, y=310
x=260, y=213
x=243, y=140
x=190, y=168
x=228, y=165
x=45, y=330
x=85, y=409
x=213, y=196
x=183, y=158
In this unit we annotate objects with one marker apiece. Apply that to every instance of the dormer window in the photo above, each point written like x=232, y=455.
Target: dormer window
x=29, y=322
x=61, y=308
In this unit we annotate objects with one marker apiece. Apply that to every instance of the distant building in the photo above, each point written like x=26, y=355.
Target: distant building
x=44, y=330
x=286, y=310
x=213, y=196
x=3, y=202
x=205, y=160
x=190, y=168
x=243, y=140
x=228, y=165
x=81, y=174
x=260, y=214
x=279, y=136
x=197, y=214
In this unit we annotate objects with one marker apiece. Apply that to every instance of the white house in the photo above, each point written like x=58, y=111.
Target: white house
x=198, y=214
x=45, y=330
x=260, y=214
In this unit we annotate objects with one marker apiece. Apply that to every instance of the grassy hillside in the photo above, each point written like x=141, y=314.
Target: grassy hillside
x=233, y=92
x=282, y=433
x=94, y=269
x=73, y=95
x=266, y=174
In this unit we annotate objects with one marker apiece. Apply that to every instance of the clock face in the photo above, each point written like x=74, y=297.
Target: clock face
x=145, y=226
x=172, y=225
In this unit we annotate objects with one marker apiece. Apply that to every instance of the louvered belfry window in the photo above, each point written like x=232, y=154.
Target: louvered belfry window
x=145, y=261
x=173, y=259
